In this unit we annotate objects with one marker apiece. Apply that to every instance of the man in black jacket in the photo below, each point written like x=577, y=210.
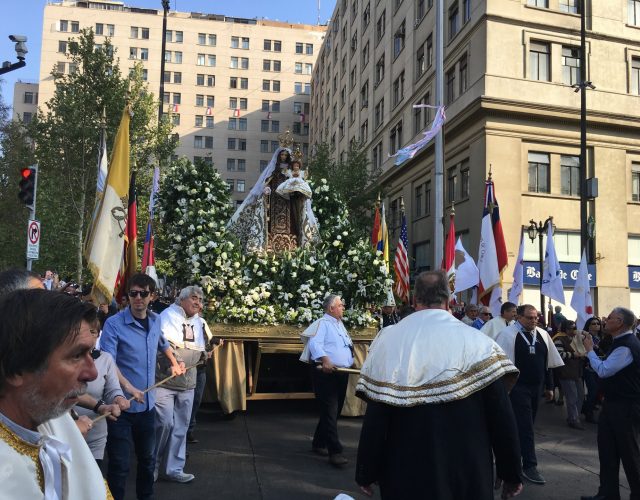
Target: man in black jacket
x=619, y=421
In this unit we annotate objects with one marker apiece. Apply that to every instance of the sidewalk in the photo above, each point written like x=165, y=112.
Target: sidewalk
x=264, y=453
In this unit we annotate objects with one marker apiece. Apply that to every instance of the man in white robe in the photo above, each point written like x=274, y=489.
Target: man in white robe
x=45, y=364
x=494, y=326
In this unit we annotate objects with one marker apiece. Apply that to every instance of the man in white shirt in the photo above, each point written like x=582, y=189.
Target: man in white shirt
x=330, y=348
x=507, y=316
x=470, y=314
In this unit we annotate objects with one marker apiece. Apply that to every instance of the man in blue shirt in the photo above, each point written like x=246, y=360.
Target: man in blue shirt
x=330, y=348
x=483, y=317
x=619, y=421
x=129, y=338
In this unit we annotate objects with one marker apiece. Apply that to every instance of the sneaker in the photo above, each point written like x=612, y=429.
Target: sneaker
x=155, y=476
x=531, y=474
x=181, y=477
x=338, y=460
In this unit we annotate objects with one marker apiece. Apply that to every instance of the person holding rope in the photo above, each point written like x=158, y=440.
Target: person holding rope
x=182, y=325
x=129, y=337
x=330, y=348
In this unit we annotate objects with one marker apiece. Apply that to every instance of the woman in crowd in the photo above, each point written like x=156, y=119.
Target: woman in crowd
x=570, y=375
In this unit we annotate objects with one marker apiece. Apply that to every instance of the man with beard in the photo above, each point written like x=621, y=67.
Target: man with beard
x=45, y=365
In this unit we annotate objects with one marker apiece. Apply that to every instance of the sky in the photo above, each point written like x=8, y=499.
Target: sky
x=24, y=17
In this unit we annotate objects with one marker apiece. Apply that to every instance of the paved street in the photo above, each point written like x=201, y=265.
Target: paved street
x=264, y=454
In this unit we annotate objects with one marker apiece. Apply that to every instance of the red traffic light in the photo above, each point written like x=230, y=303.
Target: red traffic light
x=26, y=173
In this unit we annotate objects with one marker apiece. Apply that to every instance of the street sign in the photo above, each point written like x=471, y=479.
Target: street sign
x=33, y=240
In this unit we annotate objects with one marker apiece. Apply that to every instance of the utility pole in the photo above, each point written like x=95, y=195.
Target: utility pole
x=165, y=7
x=438, y=220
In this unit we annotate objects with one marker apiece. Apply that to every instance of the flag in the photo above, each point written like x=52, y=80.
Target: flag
x=518, y=274
x=129, y=264
x=383, y=239
x=551, y=273
x=269, y=115
x=103, y=170
x=581, y=301
x=492, y=254
x=449, y=259
x=209, y=111
x=301, y=117
x=376, y=227
x=175, y=108
x=104, y=249
x=466, y=269
x=148, y=253
x=401, y=263
x=236, y=112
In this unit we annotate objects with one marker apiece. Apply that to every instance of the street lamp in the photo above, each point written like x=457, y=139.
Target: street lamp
x=165, y=8
x=538, y=230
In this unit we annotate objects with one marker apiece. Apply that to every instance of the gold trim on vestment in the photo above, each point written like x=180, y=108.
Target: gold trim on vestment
x=24, y=448
x=473, y=370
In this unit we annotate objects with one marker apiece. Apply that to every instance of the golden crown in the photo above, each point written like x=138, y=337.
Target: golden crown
x=286, y=139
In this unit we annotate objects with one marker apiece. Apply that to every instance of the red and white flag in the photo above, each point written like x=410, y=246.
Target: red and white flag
x=209, y=111
x=581, y=301
x=176, y=108
x=401, y=264
x=449, y=261
x=269, y=115
x=236, y=112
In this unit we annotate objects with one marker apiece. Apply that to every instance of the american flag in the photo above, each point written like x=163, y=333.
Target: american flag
x=401, y=264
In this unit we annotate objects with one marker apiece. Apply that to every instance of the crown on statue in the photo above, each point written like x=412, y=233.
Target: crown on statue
x=297, y=154
x=286, y=139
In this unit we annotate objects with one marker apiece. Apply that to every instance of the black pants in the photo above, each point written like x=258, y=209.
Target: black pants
x=618, y=441
x=524, y=401
x=330, y=389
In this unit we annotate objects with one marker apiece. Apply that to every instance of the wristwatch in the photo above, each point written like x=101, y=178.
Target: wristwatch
x=98, y=405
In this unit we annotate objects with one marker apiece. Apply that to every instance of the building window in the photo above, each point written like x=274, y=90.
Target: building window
x=633, y=8
x=417, y=119
x=539, y=61
x=635, y=75
x=464, y=179
x=75, y=27
x=420, y=62
x=451, y=84
x=377, y=155
x=427, y=198
x=364, y=95
x=365, y=54
x=230, y=184
x=299, y=47
x=462, y=65
x=366, y=16
x=398, y=89
x=570, y=65
x=571, y=6
x=364, y=131
x=429, y=51
x=452, y=184
x=62, y=46
x=28, y=98
x=538, y=173
x=380, y=26
x=198, y=142
x=380, y=70
x=27, y=117
x=240, y=186
x=422, y=257
x=398, y=40
x=308, y=48
x=635, y=181
x=466, y=10
x=543, y=4
x=199, y=121
x=395, y=138
x=454, y=21
x=570, y=175
x=63, y=25
x=378, y=114
x=417, y=200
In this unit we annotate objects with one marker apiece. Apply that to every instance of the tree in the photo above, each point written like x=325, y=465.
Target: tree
x=353, y=179
x=66, y=134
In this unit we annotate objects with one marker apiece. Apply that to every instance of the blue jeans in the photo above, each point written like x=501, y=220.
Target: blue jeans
x=201, y=380
x=139, y=428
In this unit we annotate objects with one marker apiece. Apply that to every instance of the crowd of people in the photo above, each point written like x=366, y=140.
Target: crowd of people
x=451, y=401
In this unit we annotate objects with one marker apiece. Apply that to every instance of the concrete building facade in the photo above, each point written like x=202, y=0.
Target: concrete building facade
x=509, y=68
x=25, y=101
x=231, y=85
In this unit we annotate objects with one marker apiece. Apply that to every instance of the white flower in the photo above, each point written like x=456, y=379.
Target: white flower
x=202, y=249
x=207, y=190
x=236, y=265
x=344, y=233
x=336, y=243
x=355, y=258
x=223, y=255
x=294, y=274
x=178, y=237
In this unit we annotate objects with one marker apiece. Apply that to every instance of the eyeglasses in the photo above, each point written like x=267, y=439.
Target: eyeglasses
x=95, y=353
x=486, y=314
x=142, y=293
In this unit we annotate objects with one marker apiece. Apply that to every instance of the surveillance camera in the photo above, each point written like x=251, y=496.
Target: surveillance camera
x=21, y=47
x=18, y=38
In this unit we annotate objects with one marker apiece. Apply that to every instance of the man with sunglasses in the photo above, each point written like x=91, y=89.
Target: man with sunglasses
x=133, y=343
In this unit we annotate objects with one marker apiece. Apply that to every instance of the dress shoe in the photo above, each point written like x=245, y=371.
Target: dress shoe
x=181, y=477
x=323, y=452
x=191, y=438
x=338, y=460
x=531, y=474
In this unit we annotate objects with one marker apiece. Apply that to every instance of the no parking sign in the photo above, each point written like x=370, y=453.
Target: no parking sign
x=33, y=239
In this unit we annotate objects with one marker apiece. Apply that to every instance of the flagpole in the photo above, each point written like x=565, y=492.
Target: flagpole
x=438, y=220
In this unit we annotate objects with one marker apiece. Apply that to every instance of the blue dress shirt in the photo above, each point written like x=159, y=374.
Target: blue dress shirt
x=332, y=340
x=618, y=359
x=134, y=350
x=478, y=324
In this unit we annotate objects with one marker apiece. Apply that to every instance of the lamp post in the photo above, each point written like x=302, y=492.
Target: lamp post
x=538, y=230
x=165, y=8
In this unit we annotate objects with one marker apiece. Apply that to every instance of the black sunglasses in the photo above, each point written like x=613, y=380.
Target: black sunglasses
x=95, y=353
x=142, y=293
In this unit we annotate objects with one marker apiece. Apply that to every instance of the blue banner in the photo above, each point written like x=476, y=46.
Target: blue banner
x=569, y=273
x=634, y=277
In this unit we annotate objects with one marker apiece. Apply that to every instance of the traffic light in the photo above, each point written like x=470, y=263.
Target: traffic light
x=27, y=185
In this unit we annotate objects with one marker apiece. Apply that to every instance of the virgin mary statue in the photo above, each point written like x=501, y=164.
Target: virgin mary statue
x=267, y=221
